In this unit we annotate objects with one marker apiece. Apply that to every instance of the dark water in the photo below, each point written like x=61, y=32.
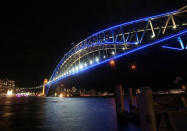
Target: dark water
x=60, y=114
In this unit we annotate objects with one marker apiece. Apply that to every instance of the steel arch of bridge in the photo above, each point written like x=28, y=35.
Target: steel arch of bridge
x=121, y=40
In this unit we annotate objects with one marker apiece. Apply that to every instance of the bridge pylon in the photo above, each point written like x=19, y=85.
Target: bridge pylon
x=44, y=83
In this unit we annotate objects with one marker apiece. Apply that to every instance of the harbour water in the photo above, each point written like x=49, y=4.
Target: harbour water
x=60, y=114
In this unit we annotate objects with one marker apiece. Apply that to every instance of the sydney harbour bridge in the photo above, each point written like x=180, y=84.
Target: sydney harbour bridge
x=169, y=30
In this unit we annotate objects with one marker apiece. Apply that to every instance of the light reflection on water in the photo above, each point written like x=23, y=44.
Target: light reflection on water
x=60, y=114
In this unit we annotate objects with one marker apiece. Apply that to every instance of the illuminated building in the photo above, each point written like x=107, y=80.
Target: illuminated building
x=6, y=85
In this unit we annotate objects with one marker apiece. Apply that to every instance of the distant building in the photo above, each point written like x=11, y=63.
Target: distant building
x=6, y=85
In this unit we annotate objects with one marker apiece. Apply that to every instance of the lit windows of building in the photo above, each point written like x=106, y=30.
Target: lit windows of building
x=6, y=85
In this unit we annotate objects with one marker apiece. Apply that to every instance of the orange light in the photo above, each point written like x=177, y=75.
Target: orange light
x=61, y=95
x=133, y=67
x=112, y=63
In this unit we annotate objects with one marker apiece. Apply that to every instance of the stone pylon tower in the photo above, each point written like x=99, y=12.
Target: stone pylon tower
x=45, y=82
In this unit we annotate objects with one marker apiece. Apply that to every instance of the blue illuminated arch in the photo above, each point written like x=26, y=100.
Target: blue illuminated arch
x=147, y=34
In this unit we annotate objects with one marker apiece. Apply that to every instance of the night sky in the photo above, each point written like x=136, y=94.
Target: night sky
x=36, y=34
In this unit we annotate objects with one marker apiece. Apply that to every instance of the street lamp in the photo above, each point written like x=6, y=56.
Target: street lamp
x=133, y=67
x=112, y=63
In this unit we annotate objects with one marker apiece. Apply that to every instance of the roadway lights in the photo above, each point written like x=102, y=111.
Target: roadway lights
x=91, y=62
x=153, y=35
x=123, y=48
x=85, y=65
x=113, y=53
x=174, y=27
x=77, y=68
x=97, y=59
x=73, y=70
x=104, y=56
x=80, y=66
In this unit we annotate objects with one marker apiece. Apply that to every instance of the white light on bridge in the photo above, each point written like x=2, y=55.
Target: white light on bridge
x=123, y=48
x=113, y=53
x=73, y=70
x=152, y=36
x=174, y=27
x=91, y=62
x=80, y=66
x=97, y=59
x=104, y=56
x=85, y=65
x=77, y=68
